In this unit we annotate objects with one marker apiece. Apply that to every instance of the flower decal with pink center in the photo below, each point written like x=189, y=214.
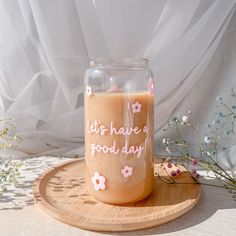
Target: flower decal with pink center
x=98, y=181
x=136, y=107
x=89, y=91
x=127, y=171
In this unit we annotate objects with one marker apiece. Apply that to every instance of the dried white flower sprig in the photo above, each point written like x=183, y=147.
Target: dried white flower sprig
x=219, y=136
x=9, y=169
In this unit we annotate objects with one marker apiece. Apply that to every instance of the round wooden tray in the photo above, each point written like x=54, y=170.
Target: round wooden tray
x=62, y=193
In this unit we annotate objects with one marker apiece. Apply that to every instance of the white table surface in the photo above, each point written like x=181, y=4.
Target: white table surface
x=215, y=214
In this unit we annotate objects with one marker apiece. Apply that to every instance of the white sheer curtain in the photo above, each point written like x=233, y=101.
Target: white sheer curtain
x=45, y=47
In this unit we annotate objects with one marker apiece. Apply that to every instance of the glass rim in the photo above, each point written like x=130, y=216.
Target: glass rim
x=118, y=62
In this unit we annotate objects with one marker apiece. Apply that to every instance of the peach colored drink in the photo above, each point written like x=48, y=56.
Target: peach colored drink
x=119, y=146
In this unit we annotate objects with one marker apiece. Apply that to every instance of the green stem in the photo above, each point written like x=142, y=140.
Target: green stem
x=210, y=169
x=218, y=186
x=215, y=163
x=212, y=185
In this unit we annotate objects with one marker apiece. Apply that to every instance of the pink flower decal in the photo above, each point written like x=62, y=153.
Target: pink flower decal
x=151, y=86
x=136, y=107
x=89, y=91
x=98, y=181
x=127, y=171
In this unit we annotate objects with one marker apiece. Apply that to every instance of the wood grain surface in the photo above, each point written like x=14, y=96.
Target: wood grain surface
x=61, y=192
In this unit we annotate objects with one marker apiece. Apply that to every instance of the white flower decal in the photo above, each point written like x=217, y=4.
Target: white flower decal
x=98, y=181
x=89, y=91
x=136, y=107
x=127, y=171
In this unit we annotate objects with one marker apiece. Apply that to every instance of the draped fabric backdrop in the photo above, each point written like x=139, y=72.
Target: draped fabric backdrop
x=45, y=47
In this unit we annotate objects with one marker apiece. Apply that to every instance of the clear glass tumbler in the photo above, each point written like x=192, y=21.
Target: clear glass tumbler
x=119, y=127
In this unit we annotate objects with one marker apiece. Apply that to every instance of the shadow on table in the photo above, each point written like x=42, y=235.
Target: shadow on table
x=212, y=199
x=21, y=195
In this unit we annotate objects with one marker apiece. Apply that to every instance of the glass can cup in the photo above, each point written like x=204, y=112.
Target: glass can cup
x=119, y=129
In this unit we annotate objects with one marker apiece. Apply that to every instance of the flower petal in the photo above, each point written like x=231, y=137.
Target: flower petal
x=94, y=180
x=102, y=186
x=96, y=187
x=102, y=179
x=126, y=175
